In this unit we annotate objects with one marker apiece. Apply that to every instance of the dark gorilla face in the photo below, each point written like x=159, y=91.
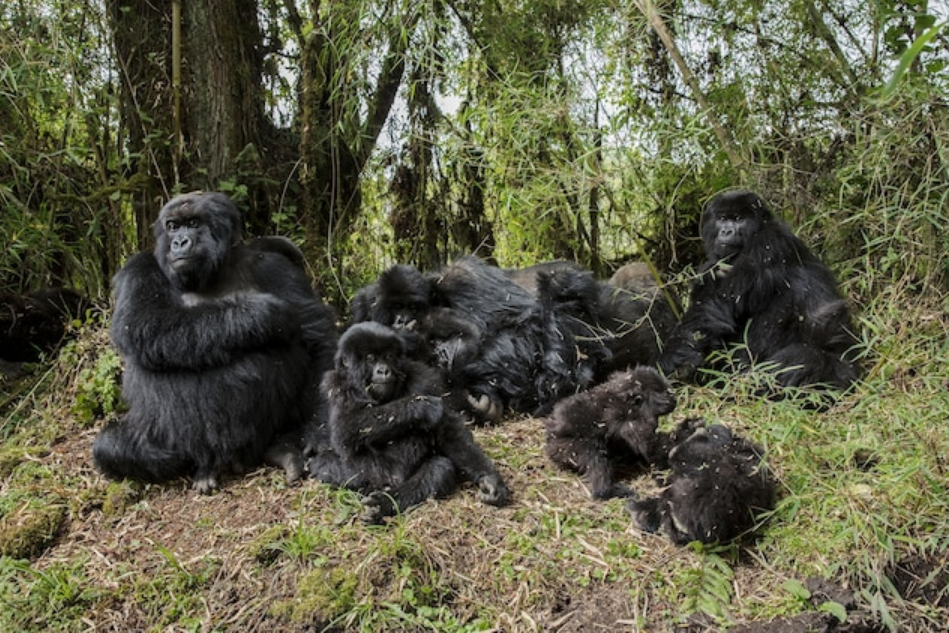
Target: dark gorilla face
x=193, y=235
x=702, y=449
x=404, y=296
x=371, y=354
x=730, y=221
x=647, y=388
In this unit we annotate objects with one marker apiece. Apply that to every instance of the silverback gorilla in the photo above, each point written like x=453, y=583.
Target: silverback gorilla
x=224, y=344
x=762, y=286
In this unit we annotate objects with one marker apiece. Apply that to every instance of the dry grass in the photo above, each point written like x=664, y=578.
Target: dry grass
x=260, y=555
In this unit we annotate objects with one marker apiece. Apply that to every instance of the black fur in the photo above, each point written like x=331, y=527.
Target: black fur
x=223, y=345
x=762, y=286
x=717, y=489
x=509, y=349
x=35, y=324
x=613, y=425
x=391, y=434
x=617, y=326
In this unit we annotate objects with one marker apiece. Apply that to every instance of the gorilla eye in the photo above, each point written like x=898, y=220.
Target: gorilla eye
x=370, y=358
x=171, y=225
x=192, y=223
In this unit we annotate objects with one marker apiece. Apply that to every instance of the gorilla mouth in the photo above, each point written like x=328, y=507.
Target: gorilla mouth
x=178, y=262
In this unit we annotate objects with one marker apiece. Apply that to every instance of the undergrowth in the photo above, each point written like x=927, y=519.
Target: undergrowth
x=863, y=478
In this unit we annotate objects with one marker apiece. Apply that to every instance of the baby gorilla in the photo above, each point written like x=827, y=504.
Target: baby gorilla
x=391, y=435
x=611, y=425
x=717, y=487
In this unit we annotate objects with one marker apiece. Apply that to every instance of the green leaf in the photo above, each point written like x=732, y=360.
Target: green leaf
x=908, y=56
x=796, y=589
x=835, y=609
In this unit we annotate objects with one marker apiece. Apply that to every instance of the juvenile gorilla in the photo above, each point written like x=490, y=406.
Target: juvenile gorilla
x=391, y=434
x=497, y=345
x=760, y=284
x=717, y=487
x=223, y=344
x=610, y=426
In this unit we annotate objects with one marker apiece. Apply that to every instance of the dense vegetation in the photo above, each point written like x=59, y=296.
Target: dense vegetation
x=374, y=131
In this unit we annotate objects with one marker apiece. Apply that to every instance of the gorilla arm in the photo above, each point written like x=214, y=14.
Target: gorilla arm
x=359, y=428
x=152, y=325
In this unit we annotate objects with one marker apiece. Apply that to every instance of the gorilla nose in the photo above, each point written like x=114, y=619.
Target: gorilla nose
x=181, y=245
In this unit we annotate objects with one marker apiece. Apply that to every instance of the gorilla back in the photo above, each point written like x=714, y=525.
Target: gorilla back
x=223, y=343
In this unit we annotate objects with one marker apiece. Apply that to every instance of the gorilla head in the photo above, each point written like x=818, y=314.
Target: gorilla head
x=399, y=298
x=372, y=355
x=194, y=233
x=730, y=221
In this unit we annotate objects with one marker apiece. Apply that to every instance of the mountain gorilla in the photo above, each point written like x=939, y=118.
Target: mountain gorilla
x=391, y=434
x=497, y=345
x=717, y=487
x=36, y=324
x=608, y=427
x=762, y=286
x=622, y=323
x=223, y=345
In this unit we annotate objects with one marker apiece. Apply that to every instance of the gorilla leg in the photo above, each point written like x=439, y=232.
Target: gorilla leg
x=802, y=364
x=435, y=477
x=589, y=458
x=123, y=450
x=457, y=442
x=286, y=454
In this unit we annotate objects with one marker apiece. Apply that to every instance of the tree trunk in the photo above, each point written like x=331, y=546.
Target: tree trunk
x=141, y=32
x=655, y=20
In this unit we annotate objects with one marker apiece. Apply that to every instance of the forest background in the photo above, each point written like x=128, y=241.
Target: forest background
x=372, y=132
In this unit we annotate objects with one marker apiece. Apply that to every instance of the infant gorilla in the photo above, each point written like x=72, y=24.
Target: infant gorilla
x=391, y=435
x=609, y=426
x=718, y=486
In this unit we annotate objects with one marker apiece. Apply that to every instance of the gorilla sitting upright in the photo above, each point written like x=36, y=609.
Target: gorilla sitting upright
x=763, y=288
x=391, y=435
x=223, y=345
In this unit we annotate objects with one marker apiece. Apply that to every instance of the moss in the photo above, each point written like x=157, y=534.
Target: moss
x=31, y=528
x=119, y=495
x=266, y=548
x=325, y=593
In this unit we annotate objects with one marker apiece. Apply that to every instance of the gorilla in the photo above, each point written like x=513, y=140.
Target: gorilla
x=717, y=488
x=761, y=286
x=391, y=434
x=508, y=349
x=610, y=426
x=635, y=320
x=223, y=344
x=35, y=324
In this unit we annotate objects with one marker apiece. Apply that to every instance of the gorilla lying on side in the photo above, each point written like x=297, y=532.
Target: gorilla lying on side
x=498, y=346
x=762, y=286
x=223, y=344
x=718, y=486
x=391, y=434
x=610, y=426
x=623, y=322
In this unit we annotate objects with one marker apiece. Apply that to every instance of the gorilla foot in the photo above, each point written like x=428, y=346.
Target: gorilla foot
x=377, y=505
x=493, y=491
x=286, y=458
x=488, y=408
x=645, y=513
x=206, y=485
